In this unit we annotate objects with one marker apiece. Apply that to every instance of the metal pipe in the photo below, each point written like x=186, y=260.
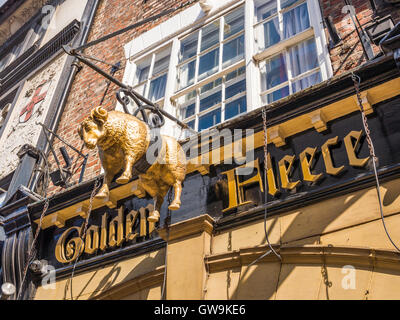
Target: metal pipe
x=7, y=290
x=61, y=139
x=91, y=65
x=69, y=82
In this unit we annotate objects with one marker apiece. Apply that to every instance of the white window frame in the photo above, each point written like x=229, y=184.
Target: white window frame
x=224, y=101
x=315, y=31
x=30, y=37
x=152, y=58
x=192, y=20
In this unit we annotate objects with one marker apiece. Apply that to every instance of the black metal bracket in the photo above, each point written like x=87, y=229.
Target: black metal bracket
x=156, y=119
x=62, y=176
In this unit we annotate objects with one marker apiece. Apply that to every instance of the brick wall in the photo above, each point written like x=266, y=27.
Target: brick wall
x=88, y=87
x=348, y=54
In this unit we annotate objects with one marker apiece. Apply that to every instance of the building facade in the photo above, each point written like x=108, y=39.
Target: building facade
x=296, y=217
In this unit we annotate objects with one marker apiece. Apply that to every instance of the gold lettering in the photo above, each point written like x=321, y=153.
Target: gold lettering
x=233, y=202
x=234, y=184
x=285, y=172
x=67, y=252
x=116, y=230
x=351, y=149
x=256, y=179
x=272, y=189
x=143, y=222
x=92, y=240
x=109, y=235
x=130, y=222
x=152, y=225
x=306, y=165
x=330, y=169
x=103, y=236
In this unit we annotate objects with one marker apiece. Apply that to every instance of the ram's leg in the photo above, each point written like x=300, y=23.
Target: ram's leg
x=176, y=203
x=127, y=174
x=104, y=191
x=155, y=215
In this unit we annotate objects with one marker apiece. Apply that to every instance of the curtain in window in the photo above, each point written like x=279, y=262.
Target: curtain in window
x=271, y=33
x=265, y=10
x=306, y=82
x=303, y=57
x=186, y=74
x=295, y=21
x=157, y=88
x=275, y=72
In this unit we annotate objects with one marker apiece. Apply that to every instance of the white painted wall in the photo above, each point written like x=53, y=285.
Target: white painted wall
x=62, y=16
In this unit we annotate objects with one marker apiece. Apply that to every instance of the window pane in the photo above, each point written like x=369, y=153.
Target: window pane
x=3, y=62
x=141, y=89
x=234, y=89
x=210, y=101
x=271, y=32
x=236, y=73
x=210, y=35
x=209, y=64
x=157, y=88
x=295, y=21
x=265, y=9
x=287, y=3
x=188, y=111
x=234, y=23
x=36, y=35
x=303, y=57
x=275, y=73
x=191, y=124
x=233, y=51
x=210, y=119
x=143, y=73
x=189, y=47
x=161, y=65
x=211, y=85
x=306, y=82
x=186, y=74
x=276, y=95
x=235, y=107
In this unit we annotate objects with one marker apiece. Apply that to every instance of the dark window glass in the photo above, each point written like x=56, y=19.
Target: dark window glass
x=235, y=107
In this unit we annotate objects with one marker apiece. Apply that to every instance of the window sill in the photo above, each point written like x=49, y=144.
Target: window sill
x=204, y=81
x=279, y=47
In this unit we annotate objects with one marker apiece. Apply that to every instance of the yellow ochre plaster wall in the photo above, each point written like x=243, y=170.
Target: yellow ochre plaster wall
x=315, y=243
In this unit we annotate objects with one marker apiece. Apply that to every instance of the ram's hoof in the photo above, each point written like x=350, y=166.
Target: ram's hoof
x=154, y=216
x=102, y=195
x=122, y=180
x=174, y=206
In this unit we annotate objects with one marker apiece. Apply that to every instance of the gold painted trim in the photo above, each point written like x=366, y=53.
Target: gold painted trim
x=191, y=227
x=287, y=129
x=132, y=286
x=309, y=254
x=278, y=133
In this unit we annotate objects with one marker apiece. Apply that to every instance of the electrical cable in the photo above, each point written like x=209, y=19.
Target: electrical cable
x=134, y=26
x=32, y=250
x=357, y=81
x=82, y=235
x=272, y=250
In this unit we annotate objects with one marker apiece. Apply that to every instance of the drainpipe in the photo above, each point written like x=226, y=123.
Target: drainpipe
x=73, y=62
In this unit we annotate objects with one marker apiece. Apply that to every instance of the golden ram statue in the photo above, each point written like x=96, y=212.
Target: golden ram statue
x=123, y=141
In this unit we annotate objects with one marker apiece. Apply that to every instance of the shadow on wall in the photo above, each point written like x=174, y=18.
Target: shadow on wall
x=111, y=279
x=263, y=281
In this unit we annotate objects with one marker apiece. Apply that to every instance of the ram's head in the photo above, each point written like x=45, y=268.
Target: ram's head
x=91, y=130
